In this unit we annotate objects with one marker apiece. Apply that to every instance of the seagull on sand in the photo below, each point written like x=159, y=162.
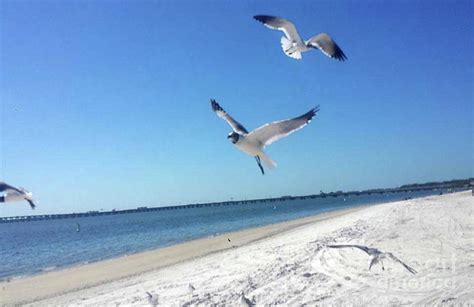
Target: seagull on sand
x=152, y=299
x=14, y=194
x=376, y=256
x=293, y=45
x=253, y=143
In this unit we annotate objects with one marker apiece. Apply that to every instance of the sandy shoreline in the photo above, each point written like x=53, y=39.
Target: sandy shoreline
x=289, y=264
x=58, y=282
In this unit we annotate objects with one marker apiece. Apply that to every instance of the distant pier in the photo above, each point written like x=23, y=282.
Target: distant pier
x=447, y=186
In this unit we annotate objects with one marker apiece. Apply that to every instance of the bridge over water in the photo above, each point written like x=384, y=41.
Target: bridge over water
x=31, y=218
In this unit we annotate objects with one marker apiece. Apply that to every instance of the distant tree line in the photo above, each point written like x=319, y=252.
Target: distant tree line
x=456, y=183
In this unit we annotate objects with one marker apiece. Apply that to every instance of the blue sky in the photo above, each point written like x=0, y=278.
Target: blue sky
x=106, y=104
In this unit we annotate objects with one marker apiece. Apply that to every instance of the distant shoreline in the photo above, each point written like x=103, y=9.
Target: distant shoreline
x=457, y=184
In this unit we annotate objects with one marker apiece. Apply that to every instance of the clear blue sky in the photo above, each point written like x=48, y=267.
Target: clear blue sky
x=106, y=104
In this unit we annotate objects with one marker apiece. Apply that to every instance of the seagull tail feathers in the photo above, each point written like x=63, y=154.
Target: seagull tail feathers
x=267, y=161
x=287, y=47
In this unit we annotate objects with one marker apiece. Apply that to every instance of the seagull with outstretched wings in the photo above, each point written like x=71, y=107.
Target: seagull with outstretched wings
x=254, y=142
x=12, y=193
x=376, y=256
x=293, y=45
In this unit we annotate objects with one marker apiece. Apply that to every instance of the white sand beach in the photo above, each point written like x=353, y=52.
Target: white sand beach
x=288, y=263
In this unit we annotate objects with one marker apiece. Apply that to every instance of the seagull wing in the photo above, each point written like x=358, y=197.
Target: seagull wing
x=236, y=126
x=362, y=248
x=4, y=187
x=272, y=132
x=409, y=268
x=277, y=23
x=327, y=46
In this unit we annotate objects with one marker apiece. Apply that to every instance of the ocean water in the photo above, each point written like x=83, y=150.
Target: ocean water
x=33, y=247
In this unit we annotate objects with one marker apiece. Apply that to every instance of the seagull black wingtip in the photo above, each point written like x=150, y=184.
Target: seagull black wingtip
x=215, y=106
x=312, y=112
x=263, y=18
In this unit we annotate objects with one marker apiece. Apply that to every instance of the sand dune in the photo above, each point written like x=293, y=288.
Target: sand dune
x=434, y=235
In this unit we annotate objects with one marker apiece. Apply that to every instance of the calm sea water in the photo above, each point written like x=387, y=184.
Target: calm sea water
x=28, y=248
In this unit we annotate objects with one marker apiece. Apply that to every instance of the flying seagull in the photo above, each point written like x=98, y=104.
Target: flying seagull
x=253, y=143
x=152, y=299
x=14, y=194
x=293, y=45
x=376, y=256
